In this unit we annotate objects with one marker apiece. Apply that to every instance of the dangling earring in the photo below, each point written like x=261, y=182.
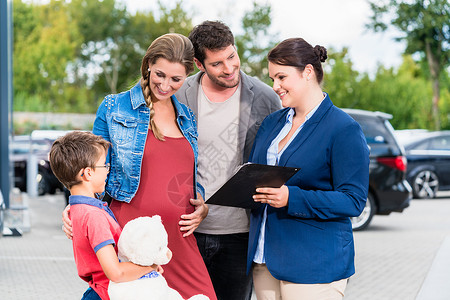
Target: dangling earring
x=307, y=78
x=148, y=70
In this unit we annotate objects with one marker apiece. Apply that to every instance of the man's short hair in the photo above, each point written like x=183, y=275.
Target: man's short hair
x=75, y=151
x=211, y=35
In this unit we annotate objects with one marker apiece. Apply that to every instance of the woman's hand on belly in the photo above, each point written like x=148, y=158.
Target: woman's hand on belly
x=191, y=221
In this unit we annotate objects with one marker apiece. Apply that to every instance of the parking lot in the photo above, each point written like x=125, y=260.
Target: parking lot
x=399, y=256
x=395, y=255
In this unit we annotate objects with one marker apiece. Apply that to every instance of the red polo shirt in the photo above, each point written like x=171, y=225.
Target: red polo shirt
x=94, y=227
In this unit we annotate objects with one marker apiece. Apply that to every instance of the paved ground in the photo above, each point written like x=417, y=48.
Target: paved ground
x=39, y=265
x=394, y=255
x=401, y=256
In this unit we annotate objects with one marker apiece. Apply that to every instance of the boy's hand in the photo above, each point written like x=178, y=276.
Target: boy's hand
x=159, y=269
x=67, y=223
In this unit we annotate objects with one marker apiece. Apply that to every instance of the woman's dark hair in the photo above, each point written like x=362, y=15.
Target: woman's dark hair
x=211, y=35
x=296, y=52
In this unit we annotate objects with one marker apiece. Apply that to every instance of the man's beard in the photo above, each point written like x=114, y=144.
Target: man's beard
x=225, y=84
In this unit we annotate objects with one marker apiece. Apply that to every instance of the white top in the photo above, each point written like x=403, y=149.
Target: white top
x=273, y=157
x=219, y=157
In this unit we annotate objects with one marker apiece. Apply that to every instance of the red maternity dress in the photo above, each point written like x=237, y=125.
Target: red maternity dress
x=165, y=187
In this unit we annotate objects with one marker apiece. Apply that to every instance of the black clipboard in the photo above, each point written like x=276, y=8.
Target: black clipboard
x=240, y=188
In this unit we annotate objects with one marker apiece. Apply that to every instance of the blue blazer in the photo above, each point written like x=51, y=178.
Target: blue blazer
x=311, y=240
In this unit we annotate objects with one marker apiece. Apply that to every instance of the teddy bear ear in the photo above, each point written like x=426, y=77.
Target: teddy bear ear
x=156, y=218
x=161, y=257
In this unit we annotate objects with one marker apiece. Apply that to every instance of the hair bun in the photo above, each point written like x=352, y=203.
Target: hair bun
x=321, y=53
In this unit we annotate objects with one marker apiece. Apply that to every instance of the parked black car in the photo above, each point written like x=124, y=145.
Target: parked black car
x=21, y=147
x=428, y=155
x=388, y=189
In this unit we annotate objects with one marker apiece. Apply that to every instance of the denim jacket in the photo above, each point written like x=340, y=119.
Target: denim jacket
x=123, y=120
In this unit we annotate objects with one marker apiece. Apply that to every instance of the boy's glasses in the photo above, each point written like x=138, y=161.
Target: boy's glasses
x=107, y=166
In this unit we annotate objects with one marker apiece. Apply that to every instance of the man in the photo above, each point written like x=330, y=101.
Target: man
x=229, y=106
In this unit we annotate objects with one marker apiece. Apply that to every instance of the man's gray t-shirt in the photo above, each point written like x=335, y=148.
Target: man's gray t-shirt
x=219, y=157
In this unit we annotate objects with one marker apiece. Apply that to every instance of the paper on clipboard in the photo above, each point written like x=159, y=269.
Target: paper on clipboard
x=240, y=188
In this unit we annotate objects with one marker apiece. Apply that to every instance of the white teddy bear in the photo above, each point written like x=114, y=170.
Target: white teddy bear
x=144, y=242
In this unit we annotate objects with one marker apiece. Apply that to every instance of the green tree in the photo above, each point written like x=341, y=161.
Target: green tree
x=402, y=93
x=444, y=103
x=43, y=46
x=341, y=80
x=115, y=46
x=425, y=25
x=256, y=41
x=68, y=54
x=146, y=27
x=104, y=25
x=26, y=32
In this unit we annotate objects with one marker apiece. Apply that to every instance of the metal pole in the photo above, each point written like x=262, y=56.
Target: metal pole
x=32, y=171
x=5, y=96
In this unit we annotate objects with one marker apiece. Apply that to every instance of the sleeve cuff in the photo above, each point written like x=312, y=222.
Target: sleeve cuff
x=103, y=244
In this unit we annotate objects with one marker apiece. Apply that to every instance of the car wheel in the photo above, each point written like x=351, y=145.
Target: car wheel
x=362, y=221
x=425, y=184
x=42, y=184
x=51, y=189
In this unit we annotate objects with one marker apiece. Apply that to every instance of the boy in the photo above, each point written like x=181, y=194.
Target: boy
x=78, y=160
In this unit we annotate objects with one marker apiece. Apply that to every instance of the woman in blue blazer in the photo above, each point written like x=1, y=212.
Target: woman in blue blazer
x=301, y=240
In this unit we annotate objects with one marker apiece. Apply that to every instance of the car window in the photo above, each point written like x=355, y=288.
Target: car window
x=23, y=147
x=374, y=129
x=424, y=145
x=20, y=148
x=440, y=143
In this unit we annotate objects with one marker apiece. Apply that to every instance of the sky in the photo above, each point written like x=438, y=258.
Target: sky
x=330, y=23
